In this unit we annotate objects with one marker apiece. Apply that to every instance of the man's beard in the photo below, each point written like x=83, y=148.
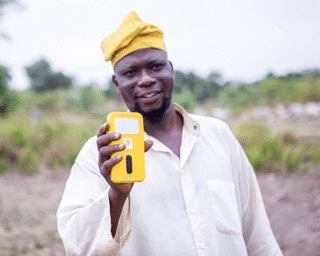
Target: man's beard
x=155, y=115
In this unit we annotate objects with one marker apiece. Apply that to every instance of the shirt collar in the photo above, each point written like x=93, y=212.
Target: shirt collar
x=189, y=125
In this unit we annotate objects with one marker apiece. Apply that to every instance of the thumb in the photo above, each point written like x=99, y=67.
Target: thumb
x=147, y=145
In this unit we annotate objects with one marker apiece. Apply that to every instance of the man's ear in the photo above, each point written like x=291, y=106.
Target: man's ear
x=172, y=69
x=114, y=80
x=115, y=83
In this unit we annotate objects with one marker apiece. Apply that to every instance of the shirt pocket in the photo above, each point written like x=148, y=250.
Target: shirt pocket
x=224, y=204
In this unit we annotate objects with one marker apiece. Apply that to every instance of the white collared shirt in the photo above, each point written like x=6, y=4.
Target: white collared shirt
x=207, y=202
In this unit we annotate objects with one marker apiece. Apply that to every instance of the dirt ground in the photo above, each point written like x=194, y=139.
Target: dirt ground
x=28, y=205
x=293, y=205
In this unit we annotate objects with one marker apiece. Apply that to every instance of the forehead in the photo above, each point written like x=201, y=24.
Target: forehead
x=141, y=57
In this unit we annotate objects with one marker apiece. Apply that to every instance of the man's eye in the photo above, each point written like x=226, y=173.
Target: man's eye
x=129, y=73
x=157, y=66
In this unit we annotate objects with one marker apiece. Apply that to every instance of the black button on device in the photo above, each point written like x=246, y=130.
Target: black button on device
x=129, y=164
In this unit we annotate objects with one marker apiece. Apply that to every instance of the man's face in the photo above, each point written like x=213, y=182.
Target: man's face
x=144, y=79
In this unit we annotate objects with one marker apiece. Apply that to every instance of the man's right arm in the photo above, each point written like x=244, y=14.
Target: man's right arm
x=84, y=214
x=94, y=213
x=118, y=193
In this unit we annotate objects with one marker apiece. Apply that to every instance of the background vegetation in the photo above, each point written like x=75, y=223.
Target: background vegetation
x=46, y=125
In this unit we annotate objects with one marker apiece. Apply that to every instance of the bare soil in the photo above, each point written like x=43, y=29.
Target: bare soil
x=28, y=206
x=293, y=205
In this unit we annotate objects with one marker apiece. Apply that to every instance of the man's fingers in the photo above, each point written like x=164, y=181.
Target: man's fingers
x=108, y=165
x=106, y=152
x=147, y=145
x=105, y=139
x=103, y=129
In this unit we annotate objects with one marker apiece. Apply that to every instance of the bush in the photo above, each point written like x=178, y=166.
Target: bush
x=29, y=161
x=263, y=150
x=263, y=155
x=8, y=97
x=288, y=138
x=58, y=157
x=4, y=166
x=19, y=137
x=311, y=152
x=291, y=159
x=8, y=154
x=185, y=99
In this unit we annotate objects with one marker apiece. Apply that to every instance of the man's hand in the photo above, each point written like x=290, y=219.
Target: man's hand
x=118, y=192
x=106, y=162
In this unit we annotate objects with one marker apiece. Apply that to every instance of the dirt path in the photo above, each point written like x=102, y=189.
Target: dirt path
x=293, y=205
x=28, y=205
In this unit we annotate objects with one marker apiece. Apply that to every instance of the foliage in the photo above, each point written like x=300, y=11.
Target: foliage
x=55, y=137
x=276, y=152
x=43, y=79
x=91, y=97
x=8, y=154
x=294, y=87
x=110, y=91
x=291, y=158
x=239, y=96
x=8, y=98
x=262, y=149
x=185, y=99
x=29, y=160
x=201, y=88
x=311, y=152
x=52, y=142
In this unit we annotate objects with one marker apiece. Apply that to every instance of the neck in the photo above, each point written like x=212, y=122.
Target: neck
x=167, y=122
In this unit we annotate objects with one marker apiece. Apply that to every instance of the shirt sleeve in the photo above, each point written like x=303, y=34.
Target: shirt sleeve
x=257, y=231
x=83, y=216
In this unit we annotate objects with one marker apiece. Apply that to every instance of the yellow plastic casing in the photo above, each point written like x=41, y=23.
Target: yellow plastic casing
x=134, y=140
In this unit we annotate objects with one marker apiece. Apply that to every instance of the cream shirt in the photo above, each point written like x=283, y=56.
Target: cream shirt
x=207, y=202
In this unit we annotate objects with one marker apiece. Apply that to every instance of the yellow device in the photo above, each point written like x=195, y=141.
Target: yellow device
x=131, y=168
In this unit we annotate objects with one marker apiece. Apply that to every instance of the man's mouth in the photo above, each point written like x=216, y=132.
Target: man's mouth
x=148, y=95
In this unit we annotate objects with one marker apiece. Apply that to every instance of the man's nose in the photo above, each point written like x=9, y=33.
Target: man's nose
x=145, y=79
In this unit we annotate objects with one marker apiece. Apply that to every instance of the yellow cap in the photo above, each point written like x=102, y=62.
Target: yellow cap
x=133, y=34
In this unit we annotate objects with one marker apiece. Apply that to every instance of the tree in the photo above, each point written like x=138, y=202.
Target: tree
x=8, y=98
x=43, y=79
x=202, y=88
x=110, y=92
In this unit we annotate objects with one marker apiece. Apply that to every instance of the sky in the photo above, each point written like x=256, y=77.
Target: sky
x=241, y=39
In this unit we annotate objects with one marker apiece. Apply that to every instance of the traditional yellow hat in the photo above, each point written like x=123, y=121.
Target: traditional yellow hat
x=133, y=34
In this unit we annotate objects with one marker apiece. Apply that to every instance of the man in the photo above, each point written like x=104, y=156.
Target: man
x=200, y=195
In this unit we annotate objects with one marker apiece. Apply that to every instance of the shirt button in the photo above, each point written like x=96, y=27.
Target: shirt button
x=193, y=211
x=202, y=245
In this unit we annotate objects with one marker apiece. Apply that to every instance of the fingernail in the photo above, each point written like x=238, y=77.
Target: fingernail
x=119, y=157
x=122, y=146
x=117, y=135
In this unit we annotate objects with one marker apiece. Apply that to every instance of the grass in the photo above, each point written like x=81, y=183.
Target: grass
x=282, y=152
